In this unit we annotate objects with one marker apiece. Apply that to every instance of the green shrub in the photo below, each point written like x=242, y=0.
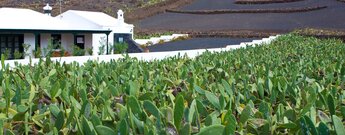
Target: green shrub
x=161, y=41
x=148, y=36
x=102, y=48
x=17, y=54
x=6, y=54
x=37, y=53
x=180, y=38
x=48, y=51
x=89, y=51
x=77, y=51
x=149, y=43
x=26, y=50
x=120, y=48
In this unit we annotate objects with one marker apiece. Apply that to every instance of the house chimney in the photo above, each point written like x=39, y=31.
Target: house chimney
x=47, y=10
x=120, y=16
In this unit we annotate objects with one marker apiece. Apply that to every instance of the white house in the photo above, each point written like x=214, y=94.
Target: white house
x=120, y=31
x=82, y=28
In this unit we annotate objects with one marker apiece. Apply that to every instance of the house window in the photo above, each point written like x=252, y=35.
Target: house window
x=11, y=43
x=120, y=39
x=38, y=40
x=80, y=41
x=56, y=41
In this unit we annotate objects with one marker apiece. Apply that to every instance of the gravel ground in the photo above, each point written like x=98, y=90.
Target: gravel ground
x=198, y=43
x=330, y=18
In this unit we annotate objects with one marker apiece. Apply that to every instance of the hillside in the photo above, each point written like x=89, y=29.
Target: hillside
x=135, y=9
x=109, y=6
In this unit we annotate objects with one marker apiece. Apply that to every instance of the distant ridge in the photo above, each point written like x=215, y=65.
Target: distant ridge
x=107, y=6
x=134, y=9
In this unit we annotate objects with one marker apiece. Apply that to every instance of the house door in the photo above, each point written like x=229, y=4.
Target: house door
x=11, y=43
x=80, y=41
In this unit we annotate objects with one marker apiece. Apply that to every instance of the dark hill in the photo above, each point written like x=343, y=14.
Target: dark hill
x=135, y=9
x=108, y=6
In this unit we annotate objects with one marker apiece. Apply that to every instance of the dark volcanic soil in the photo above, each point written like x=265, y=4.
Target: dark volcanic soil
x=134, y=9
x=229, y=4
x=330, y=18
x=198, y=43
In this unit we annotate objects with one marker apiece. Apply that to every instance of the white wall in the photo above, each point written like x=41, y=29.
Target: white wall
x=156, y=40
x=45, y=40
x=96, y=42
x=121, y=29
x=67, y=42
x=88, y=41
x=29, y=38
x=111, y=38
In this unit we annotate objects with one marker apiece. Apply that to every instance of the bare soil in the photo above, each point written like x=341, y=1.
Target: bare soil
x=322, y=33
x=135, y=9
x=198, y=43
x=245, y=24
x=142, y=13
x=263, y=1
x=281, y=10
x=215, y=33
x=109, y=7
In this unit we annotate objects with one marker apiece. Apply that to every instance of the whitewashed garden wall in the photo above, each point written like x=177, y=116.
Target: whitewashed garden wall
x=141, y=56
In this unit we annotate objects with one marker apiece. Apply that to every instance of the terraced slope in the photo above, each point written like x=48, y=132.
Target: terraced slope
x=134, y=9
x=329, y=18
x=109, y=6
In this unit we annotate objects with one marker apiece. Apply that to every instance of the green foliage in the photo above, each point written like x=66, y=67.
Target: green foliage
x=178, y=111
x=48, y=51
x=6, y=54
x=148, y=36
x=120, y=48
x=338, y=125
x=295, y=85
x=214, y=130
x=102, y=48
x=89, y=51
x=17, y=54
x=161, y=41
x=26, y=50
x=180, y=38
x=77, y=51
x=37, y=53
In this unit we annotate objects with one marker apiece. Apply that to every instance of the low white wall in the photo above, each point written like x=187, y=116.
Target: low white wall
x=142, y=56
x=155, y=40
x=97, y=41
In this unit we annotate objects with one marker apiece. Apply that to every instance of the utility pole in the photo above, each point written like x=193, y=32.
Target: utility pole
x=60, y=4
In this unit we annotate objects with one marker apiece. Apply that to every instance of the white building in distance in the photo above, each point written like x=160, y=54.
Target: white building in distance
x=84, y=29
